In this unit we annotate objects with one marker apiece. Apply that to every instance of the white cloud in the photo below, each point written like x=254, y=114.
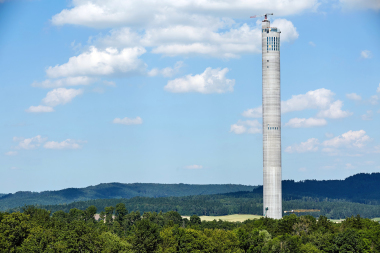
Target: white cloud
x=66, y=144
x=166, y=72
x=11, y=153
x=101, y=62
x=194, y=167
x=218, y=40
x=366, y=54
x=288, y=31
x=303, y=169
x=310, y=122
x=334, y=111
x=253, y=113
x=109, y=83
x=348, y=139
x=329, y=135
x=349, y=166
x=368, y=115
x=247, y=126
x=69, y=81
x=321, y=99
x=128, y=121
x=29, y=143
x=378, y=88
x=60, y=96
x=311, y=43
x=147, y=13
x=210, y=81
x=40, y=108
x=374, y=100
x=362, y=4
x=316, y=99
x=354, y=96
x=311, y=145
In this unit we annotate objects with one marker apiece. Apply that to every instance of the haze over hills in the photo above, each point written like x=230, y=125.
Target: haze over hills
x=113, y=191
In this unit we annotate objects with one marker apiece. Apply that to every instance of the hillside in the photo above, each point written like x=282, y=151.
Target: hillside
x=361, y=188
x=224, y=204
x=356, y=194
x=114, y=191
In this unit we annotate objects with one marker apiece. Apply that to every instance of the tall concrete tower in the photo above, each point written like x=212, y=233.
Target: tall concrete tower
x=272, y=190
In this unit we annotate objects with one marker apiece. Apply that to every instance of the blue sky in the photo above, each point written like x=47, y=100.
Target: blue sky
x=170, y=91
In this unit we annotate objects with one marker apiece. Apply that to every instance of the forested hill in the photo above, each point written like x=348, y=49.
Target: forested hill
x=360, y=188
x=114, y=190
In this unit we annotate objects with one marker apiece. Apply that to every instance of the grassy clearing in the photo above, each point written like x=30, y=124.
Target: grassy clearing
x=233, y=217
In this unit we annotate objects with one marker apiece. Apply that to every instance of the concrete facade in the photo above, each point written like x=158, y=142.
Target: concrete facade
x=272, y=190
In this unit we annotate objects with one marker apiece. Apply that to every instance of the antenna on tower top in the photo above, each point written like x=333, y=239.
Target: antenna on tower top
x=264, y=15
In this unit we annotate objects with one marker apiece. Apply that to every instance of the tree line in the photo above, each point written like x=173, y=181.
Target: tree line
x=118, y=230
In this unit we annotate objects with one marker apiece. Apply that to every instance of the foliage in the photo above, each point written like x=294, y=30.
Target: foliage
x=35, y=230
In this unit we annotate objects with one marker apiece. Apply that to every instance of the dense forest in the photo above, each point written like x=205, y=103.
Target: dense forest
x=223, y=204
x=114, y=191
x=118, y=230
x=361, y=188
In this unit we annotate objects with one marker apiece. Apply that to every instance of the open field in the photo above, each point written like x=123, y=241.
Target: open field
x=243, y=217
x=232, y=217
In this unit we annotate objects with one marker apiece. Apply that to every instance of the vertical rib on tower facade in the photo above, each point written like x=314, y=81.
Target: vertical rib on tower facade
x=272, y=191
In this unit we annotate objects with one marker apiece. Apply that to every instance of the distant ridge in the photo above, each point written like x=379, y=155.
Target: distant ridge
x=113, y=191
x=360, y=188
x=335, y=199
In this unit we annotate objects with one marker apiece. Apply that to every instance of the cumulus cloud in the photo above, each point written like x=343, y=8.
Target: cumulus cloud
x=246, y=126
x=366, y=54
x=40, y=108
x=378, y=88
x=37, y=141
x=194, y=167
x=288, y=31
x=147, y=13
x=218, y=40
x=320, y=99
x=11, y=153
x=368, y=115
x=351, y=138
x=166, y=72
x=66, y=144
x=316, y=99
x=253, y=113
x=310, y=122
x=128, y=121
x=374, y=100
x=29, y=143
x=60, y=96
x=311, y=145
x=354, y=96
x=69, y=81
x=109, y=83
x=362, y=4
x=210, y=81
x=311, y=43
x=101, y=62
x=334, y=111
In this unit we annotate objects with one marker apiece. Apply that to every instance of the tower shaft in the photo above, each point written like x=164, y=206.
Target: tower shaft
x=272, y=190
